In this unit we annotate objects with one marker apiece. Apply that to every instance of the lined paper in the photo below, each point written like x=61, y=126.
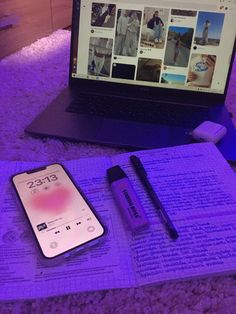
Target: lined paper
x=196, y=186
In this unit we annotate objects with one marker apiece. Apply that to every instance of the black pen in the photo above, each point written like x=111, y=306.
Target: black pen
x=142, y=174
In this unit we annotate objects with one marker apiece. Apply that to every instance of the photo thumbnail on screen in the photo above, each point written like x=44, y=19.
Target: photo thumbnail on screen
x=209, y=28
x=178, y=46
x=173, y=79
x=154, y=27
x=100, y=52
x=127, y=33
x=103, y=15
x=201, y=70
x=149, y=70
x=186, y=13
x=123, y=71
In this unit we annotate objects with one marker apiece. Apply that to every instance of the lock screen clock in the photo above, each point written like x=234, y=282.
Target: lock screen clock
x=39, y=182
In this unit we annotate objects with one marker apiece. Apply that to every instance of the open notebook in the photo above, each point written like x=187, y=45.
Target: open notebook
x=198, y=189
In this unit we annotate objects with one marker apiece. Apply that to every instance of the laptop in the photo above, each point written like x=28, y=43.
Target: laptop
x=144, y=73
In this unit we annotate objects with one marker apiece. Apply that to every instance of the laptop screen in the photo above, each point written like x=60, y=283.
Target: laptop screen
x=184, y=45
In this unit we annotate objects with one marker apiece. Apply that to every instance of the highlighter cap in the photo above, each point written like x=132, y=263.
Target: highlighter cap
x=115, y=174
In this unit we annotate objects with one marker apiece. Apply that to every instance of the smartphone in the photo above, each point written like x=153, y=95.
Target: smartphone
x=60, y=215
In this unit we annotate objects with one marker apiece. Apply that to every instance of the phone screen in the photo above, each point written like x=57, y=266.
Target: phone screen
x=60, y=216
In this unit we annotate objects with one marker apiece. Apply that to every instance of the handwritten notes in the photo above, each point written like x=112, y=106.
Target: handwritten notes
x=197, y=188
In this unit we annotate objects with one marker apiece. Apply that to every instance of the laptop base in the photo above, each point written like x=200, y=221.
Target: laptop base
x=56, y=122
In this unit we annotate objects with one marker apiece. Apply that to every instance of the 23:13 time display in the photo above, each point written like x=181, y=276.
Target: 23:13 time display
x=38, y=182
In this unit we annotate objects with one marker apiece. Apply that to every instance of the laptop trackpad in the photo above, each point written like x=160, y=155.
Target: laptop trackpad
x=140, y=135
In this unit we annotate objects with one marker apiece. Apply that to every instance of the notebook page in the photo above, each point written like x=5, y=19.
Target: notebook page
x=198, y=189
x=107, y=265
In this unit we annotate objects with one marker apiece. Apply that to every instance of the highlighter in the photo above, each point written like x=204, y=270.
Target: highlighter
x=126, y=199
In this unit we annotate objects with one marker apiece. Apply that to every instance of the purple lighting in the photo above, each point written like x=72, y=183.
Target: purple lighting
x=29, y=80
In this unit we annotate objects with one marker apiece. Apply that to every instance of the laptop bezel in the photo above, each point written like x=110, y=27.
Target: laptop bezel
x=136, y=91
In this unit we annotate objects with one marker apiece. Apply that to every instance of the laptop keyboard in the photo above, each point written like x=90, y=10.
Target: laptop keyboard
x=138, y=110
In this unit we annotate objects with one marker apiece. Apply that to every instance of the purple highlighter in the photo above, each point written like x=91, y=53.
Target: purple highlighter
x=126, y=199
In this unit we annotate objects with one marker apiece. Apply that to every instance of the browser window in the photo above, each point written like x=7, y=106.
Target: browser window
x=169, y=44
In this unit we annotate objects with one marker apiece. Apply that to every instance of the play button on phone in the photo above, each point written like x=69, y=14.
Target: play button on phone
x=53, y=245
x=90, y=228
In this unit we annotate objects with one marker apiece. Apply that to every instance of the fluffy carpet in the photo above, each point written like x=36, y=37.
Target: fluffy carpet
x=29, y=80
